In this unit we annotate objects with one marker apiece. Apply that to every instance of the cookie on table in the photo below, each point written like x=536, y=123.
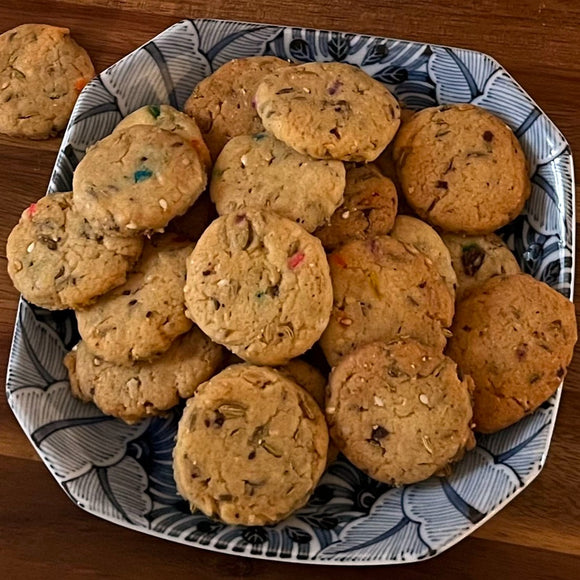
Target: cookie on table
x=417, y=233
x=259, y=284
x=251, y=446
x=515, y=336
x=369, y=208
x=384, y=290
x=461, y=168
x=169, y=119
x=141, y=318
x=151, y=176
x=475, y=259
x=195, y=220
x=399, y=412
x=260, y=172
x=56, y=259
x=328, y=111
x=42, y=71
x=143, y=389
x=222, y=104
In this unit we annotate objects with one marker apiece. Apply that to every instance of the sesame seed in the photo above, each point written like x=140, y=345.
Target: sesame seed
x=244, y=160
x=186, y=162
x=330, y=410
x=163, y=204
x=447, y=333
x=75, y=348
x=131, y=226
x=424, y=399
x=96, y=362
x=30, y=248
x=223, y=282
x=346, y=321
x=379, y=402
x=345, y=215
x=427, y=444
x=306, y=90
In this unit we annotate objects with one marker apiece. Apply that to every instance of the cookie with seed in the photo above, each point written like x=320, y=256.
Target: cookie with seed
x=328, y=110
x=57, y=260
x=251, y=446
x=384, y=289
x=140, y=319
x=222, y=104
x=399, y=412
x=144, y=389
x=515, y=336
x=461, y=169
x=42, y=71
x=169, y=119
x=415, y=232
x=260, y=172
x=259, y=284
x=475, y=259
x=369, y=208
x=152, y=176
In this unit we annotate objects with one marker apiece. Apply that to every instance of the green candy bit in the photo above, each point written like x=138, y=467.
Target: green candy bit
x=154, y=110
x=142, y=175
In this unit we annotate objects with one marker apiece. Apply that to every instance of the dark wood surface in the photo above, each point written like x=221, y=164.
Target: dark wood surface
x=43, y=535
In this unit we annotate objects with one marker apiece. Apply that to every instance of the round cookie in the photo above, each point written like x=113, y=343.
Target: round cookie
x=251, y=446
x=56, y=259
x=169, y=119
x=475, y=259
x=328, y=110
x=259, y=284
x=260, y=172
x=369, y=208
x=152, y=176
x=461, y=168
x=399, y=412
x=141, y=318
x=383, y=290
x=42, y=71
x=144, y=389
x=417, y=233
x=222, y=104
x=515, y=337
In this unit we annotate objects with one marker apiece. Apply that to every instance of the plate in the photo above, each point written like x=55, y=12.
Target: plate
x=123, y=473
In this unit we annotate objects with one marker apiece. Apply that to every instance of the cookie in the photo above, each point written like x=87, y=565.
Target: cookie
x=369, y=208
x=222, y=104
x=475, y=259
x=328, y=110
x=515, y=336
x=461, y=168
x=151, y=176
x=141, y=318
x=195, y=220
x=417, y=233
x=251, y=446
x=169, y=119
x=42, y=71
x=259, y=284
x=383, y=290
x=260, y=172
x=56, y=259
x=144, y=389
x=399, y=411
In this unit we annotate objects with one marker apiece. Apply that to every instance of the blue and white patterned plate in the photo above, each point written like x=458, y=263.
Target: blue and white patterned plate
x=123, y=473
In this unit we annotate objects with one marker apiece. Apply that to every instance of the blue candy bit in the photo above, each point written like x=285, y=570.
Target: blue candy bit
x=142, y=175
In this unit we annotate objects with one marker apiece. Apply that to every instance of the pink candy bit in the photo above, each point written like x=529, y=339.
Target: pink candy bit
x=254, y=103
x=334, y=87
x=31, y=210
x=295, y=260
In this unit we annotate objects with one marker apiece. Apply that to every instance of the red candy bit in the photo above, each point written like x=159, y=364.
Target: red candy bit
x=338, y=260
x=31, y=210
x=295, y=260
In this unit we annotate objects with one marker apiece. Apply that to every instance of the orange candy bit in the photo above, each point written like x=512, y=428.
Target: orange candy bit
x=338, y=260
x=80, y=84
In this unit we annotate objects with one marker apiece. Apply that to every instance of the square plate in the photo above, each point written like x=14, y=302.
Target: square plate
x=123, y=473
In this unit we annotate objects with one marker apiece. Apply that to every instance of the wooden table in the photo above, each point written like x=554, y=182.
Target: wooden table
x=42, y=534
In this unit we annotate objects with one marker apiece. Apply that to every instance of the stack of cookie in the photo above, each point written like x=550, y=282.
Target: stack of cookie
x=429, y=326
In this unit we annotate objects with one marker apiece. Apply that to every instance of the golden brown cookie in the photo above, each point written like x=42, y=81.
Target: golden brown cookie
x=328, y=110
x=399, y=412
x=475, y=259
x=259, y=284
x=515, y=336
x=461, y=168
x=251, y=446
x=222, y=104
x=143, y=389
x=384, y=289
x=140, y=319
x=42, y=72
x=57, y=260
x=369, y=208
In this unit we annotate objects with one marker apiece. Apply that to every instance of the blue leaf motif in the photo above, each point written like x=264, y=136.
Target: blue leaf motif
x=298, y=535
x=392, y=75
x=255, y=535
x=377, y=53
x=339, y=45
x=301, y=51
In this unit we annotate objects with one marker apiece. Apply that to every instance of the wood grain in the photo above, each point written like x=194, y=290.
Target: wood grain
x=536, y=536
